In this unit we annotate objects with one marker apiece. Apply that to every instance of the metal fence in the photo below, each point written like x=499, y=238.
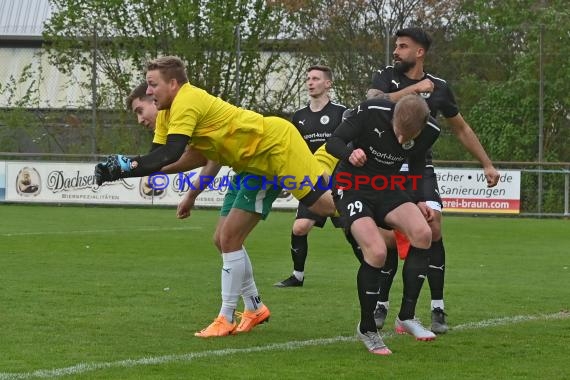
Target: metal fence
x=545, y=187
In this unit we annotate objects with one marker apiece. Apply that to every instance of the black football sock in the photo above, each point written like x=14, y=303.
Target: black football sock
x=436, y=270
x=368, y=283
x=354, y=244
x=387, y=274
x=414, y=273
x=299, y=250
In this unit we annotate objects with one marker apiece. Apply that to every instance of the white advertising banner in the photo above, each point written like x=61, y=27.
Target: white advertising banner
x=465, y=190
x=461, y=190
x=59, y=182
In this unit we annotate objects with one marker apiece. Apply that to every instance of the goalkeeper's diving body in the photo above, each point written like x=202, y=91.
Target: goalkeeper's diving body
x=242, y=139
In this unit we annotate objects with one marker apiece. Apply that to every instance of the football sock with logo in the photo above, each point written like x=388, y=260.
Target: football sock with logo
x=299, y=251
x=436, y=270
x=249, y=291
x=414, y=273
x=387, y=273
x=233, y=270
x=368, y=282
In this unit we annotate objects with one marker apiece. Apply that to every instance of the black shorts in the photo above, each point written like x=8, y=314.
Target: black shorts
x=304, y=213
x=429, y=190
x=355, y=204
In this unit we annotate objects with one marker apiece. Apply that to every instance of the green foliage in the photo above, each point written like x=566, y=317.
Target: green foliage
x=509, y=129
x=18, y=123
x=509, y=34
x=202, y=33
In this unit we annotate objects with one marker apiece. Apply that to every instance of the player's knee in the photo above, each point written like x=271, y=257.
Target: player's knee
x=302, y=227
x=420, y=236
x=375, y=257
x=229, y=244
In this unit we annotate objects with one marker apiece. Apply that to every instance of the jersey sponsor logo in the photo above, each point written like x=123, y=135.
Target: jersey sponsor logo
x=386, y=158
x=325, y=119
x=408, y=145
x=317, y=136
x=379, y=132
x=302, y=122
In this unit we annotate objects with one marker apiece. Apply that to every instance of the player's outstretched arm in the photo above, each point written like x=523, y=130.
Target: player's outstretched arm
x=118, y=166
x=470, y=141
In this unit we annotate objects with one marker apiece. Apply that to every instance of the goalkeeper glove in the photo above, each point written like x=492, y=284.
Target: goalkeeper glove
x=112, y=169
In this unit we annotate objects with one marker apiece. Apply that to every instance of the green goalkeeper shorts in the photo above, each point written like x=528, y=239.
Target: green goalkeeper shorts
x=251, y=193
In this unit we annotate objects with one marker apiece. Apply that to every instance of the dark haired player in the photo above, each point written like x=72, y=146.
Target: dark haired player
x=316, y=122
x=407, y=76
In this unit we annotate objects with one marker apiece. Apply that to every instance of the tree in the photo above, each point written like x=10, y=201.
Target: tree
x=224, y=44
x=507, y=33
x=202, y=33
x=517, y=37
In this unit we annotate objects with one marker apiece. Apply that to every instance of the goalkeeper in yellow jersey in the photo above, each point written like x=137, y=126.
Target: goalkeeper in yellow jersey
x=270, y=147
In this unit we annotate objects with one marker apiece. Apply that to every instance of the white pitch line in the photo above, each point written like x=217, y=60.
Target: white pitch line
x=115, y=230
x=293, y=345
x=511, y=320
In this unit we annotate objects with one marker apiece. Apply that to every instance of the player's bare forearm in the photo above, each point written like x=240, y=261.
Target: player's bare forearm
x=391, y=96
x=209, y=172
x=470, y=141
x=206, y=176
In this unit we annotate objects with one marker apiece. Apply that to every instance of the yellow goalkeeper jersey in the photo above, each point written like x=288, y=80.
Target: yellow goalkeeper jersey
x=242, y=139
x=221, y=131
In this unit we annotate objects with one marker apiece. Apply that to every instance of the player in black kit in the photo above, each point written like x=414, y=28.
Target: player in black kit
x=316, y=123
x=407, y=76
x=372, y=143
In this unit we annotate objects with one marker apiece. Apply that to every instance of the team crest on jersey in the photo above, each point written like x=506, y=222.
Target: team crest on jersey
x=325, y=119
x=425, y=95
x=408, y=145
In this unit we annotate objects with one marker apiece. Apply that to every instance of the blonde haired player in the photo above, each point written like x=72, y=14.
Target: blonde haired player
x=229, y=135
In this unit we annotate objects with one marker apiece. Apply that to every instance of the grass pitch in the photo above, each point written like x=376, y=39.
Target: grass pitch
x=113, y=293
